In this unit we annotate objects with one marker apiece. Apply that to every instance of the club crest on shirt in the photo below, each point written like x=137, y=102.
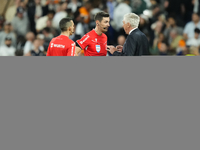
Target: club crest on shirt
x=98, y=48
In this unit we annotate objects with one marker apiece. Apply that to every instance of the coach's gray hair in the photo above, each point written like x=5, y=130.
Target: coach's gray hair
x=133, y=19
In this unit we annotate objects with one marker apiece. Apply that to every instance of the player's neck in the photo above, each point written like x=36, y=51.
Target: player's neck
x=98, y=31
x=65, y=34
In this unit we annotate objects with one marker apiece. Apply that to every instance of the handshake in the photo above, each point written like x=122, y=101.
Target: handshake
x=113, y=49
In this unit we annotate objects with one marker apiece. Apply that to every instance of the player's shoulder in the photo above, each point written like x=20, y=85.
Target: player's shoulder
x=71, y=42
x=52, y=40
x=56, y=38
x=91, y=33
x=86, y=36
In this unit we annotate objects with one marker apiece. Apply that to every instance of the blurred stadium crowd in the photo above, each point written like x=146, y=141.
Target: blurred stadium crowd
x=172, y=26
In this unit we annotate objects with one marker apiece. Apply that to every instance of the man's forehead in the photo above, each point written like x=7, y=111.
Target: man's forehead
x=106, y=19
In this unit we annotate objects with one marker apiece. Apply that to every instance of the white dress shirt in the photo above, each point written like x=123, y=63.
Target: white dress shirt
x=132, y=30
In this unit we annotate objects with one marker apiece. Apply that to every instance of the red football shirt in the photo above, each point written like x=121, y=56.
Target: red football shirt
x=93, y=44
x=61, y=46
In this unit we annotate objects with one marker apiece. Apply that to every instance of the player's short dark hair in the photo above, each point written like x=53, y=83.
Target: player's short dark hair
x=99, y=16
x=65, y=23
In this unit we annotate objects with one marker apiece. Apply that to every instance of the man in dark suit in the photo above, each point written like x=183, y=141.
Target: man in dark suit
x=136, y=43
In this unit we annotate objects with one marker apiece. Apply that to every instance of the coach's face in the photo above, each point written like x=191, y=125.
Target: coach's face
x=105, y=24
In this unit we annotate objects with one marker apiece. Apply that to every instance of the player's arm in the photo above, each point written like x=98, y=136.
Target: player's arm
x=78, y=50
x=82, y=44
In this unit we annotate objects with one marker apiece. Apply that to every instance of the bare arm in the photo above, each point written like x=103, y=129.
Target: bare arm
x=78, y=51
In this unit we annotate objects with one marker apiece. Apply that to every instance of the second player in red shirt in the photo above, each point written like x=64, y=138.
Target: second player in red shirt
x=62, y=45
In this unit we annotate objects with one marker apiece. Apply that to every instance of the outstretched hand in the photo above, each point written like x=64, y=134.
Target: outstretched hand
x=111, y=49
x=119, y=48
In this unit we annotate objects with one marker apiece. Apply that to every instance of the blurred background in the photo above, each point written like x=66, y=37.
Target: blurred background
x=27, y=26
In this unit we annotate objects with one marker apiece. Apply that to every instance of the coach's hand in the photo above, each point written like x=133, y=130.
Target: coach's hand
x=119, y=48
x=111, y=49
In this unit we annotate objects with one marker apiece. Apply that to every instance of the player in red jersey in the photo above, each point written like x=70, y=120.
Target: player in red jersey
x=62, y=45
x=94, y=43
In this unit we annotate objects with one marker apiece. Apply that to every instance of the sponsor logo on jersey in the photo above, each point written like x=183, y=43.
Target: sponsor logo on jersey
x=98, y=48
x=57, y=45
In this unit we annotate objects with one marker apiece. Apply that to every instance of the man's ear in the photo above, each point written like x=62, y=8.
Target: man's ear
x=97, y=22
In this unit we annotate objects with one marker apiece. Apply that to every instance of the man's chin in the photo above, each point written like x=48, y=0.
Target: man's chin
x=105, y=30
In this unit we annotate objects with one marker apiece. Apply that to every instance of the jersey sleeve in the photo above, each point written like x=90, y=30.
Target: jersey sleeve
x=84, y=41
x=71, y=50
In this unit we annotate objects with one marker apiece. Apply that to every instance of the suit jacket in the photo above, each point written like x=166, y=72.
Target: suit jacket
x=136, y=45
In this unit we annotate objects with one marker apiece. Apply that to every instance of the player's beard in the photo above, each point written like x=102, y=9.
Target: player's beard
x=104, y=30
x=72, y=33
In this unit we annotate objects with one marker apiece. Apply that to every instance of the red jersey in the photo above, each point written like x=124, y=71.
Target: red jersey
x=61, y=46
x=93, y=44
